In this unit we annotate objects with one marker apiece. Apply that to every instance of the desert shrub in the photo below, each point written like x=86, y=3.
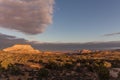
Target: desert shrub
x=118, y=78
x=103, y=73
x=79, y=69
x=13, y=70
x=100, y=68
x=68, y=65
x=107, y=64
x=40, y=61
x=1, y=68
x=58, y=59
x=43, y=73
x=52, y=65
x=31, y=78
x=115, y=63
x=91, y=68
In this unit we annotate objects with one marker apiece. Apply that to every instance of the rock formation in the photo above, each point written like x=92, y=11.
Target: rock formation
x=85, y=51
x=21, y=48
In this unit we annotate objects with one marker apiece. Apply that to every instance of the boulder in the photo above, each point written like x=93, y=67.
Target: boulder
x=114, y=72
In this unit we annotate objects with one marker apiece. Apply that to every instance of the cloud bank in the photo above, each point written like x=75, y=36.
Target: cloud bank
x=27, y=16
x=112, y=34
x=6, y=41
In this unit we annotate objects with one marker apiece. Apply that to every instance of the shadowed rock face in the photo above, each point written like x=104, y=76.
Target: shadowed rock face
x=21, y=48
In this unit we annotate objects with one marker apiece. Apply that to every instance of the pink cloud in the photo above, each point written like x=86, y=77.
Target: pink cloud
x=27, y=16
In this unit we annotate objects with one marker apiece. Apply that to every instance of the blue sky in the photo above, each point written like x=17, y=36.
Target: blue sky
x=79, y=21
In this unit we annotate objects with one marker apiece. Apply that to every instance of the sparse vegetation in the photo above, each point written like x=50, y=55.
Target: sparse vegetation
x=65, y=67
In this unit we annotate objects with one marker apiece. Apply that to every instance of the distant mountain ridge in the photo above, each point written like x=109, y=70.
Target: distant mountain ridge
x=21, y=48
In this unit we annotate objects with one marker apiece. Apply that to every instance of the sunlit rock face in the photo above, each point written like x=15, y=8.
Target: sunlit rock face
x=85, y=51
x=22, y=49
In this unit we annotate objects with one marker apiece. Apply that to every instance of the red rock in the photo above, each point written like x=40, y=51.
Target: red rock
x=21, y=48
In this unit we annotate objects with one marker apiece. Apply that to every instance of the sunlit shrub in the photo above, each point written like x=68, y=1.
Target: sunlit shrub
x=107, y=64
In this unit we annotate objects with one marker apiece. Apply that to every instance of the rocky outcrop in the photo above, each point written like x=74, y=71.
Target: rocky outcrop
x=85, y=51
x=22, y=49
x=114, y=72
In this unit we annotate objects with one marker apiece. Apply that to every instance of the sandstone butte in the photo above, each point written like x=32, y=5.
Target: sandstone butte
x=21, y=48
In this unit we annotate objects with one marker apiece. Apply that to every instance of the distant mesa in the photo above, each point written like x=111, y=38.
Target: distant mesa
x=21, y=48
x=85, y=51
